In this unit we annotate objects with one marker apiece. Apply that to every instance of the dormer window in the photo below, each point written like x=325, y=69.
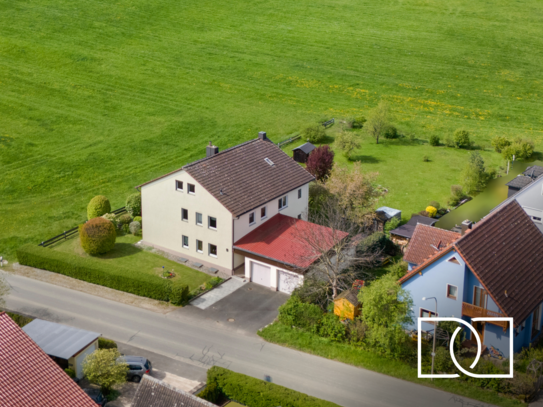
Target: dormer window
x=268, y=161
x=179, y=186
x=192, y=189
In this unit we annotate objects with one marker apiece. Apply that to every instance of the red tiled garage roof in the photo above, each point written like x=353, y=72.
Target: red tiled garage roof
x=426, y=241
x=30, y=377
x=280, y=239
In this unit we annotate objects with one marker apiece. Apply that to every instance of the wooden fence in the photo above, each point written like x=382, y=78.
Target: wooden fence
x=69, y=233
x=329, y=123
x=290, y=140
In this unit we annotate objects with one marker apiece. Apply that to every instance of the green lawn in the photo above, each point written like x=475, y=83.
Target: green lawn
x=97, y=97
x=125, y=254
x=310, y=343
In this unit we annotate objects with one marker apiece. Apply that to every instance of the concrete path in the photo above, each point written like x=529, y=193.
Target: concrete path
x=218, y=293
x=206, y=344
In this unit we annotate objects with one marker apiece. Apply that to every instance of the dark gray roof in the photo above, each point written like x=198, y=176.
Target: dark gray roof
x=533, y=171
x=404, y=231
x=306, y=148
x=519, y=182
x=425, y=220
x=59, y=340
x=152, y=392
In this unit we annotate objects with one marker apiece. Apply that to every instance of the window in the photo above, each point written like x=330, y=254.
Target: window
x=479, y=297
x=299, y=193
x=300, y=216
x=424, y=313
x=212, y=222
x=192, y=189
x=185, y=215
x=282, y=202
x=251, y=218
x=198, y=218
x=452, y=291
x=185, y=242
x=135, y=367
x=263, y=213
x=199, y=246
x=453, y=260
x=212, y=250
x=179, y=185
x=536, y=219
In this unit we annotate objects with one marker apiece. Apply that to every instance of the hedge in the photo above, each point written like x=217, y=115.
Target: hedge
x=258, y=393
x=93, y=271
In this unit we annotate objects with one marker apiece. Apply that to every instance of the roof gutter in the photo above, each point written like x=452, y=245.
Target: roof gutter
x=269, y=258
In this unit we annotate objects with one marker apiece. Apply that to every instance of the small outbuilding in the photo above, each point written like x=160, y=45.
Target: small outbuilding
x=383, y=215
x=66, y=345
x=346, y=304
x=301, y=153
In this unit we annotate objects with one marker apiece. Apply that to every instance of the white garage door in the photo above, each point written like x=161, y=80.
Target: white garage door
x=287, y=282
x=260, y=274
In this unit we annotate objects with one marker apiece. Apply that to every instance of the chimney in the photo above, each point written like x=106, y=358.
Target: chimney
x=467, y=224
x=262, y=135
x=211, y=150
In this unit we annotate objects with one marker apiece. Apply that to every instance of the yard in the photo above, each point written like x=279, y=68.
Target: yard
x=125, y=254
x=97, y=97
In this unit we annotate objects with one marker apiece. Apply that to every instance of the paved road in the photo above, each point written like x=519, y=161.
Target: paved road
x=203, y=345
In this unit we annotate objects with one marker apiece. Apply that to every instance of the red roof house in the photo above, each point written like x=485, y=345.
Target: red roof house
x=426, y=241
x=30, y=377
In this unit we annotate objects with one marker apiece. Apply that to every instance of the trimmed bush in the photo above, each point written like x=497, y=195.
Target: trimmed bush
x=104, y=343
x=137, y=219
x=211, y=393
x=95, y=271
x=434, y=141
x=97, y=236
x=461, y=139
x=258, y=393
x=111, y=217
x=314, y=133
x=390, y=132
x=124, y=219
x=135, y=228
x=431, y=211
x=179, y=294
x=98, y=206
x=133, y=204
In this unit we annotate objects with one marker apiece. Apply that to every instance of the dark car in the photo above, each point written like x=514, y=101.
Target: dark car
x=137, y=367
x=96, y=396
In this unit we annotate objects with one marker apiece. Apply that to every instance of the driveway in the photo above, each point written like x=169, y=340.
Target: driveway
x=245, y=310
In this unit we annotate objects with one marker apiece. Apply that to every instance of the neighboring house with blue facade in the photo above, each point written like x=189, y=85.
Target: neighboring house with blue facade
x=493, y=270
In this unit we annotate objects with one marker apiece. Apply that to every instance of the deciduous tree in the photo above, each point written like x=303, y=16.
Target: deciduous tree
x=320, y=162
x=102, y=368
x=378, y=121
x=347, y=141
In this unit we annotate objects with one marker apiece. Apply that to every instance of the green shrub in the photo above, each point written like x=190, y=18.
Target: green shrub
x=133, y=204
x=331, y=327
x=377, y=242
x=111, y=217
x=135, y=228
x=390, y=132
x=258, y=393
x=179, y=294
x=20, y=319
x=499, y=143
x=358, y=122
x=426, y=159
x=97, y=236
x=124, y=219
x=296, y=313
x=314, y=133
x=461, y=139
x=98, y=206
x=70, y=372
x=95, y=271
x=211, y=393
x=434, y=140
x=520, y=148
x=104, y=343
x=215, y=281
x=449, y=142
x=398, y=269
x=435, y=204
x=137, y=219
x=431, y=211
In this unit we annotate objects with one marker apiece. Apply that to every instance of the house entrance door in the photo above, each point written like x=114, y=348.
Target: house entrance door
x=480, y=328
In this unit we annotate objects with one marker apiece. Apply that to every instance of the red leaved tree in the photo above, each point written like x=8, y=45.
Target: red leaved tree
x=320, y=162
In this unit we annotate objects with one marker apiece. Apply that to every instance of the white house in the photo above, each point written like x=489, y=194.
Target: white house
x=201, y=210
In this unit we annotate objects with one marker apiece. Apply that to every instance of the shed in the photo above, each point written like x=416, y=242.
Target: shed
x=346, y=304
x=301, y=153
x=66, y=345
x=383, y=215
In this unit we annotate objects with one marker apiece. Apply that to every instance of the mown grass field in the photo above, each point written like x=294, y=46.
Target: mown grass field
x=126, y=255
x=97, y=97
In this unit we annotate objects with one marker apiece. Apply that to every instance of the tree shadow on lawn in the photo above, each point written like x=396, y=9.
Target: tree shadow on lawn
x=121, y=250
x=365, y=159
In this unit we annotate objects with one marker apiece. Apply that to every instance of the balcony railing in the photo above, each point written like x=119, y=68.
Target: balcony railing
x=473, y=311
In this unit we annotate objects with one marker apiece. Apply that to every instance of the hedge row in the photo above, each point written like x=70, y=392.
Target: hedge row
x=258, y=393
x=93, y=271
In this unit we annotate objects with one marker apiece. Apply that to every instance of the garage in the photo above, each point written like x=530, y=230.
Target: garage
x=287, y=282
x=260, y=274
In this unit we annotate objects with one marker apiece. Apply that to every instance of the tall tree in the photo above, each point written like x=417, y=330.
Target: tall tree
x=474, y=175
x=347, y=141
x=103, y=368
x=378, y=120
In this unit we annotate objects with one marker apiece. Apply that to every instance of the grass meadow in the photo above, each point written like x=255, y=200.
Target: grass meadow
x=97, y=97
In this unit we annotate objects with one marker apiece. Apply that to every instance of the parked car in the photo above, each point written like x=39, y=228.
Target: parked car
x=137, y=367
x=96, y=396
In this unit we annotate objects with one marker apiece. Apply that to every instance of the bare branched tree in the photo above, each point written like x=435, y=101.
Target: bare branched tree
x=334, y=243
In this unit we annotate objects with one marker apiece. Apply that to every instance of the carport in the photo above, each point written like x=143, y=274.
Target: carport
x=65, y=345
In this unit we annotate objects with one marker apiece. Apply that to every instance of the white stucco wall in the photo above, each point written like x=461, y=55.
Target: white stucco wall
x=295, y=206
x=162, y=225
x=76, y=362
x=273, y=274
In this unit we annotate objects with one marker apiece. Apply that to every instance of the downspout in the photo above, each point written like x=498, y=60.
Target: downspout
x=232, y=248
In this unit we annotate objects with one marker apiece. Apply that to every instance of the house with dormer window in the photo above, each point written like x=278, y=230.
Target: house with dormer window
x=494, y=269
x=235, y=211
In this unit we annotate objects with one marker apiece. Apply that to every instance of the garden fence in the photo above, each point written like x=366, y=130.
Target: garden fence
x=69, y=233
x=290, y=140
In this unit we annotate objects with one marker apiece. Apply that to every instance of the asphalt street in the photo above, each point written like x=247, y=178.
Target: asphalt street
x=199, y=344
